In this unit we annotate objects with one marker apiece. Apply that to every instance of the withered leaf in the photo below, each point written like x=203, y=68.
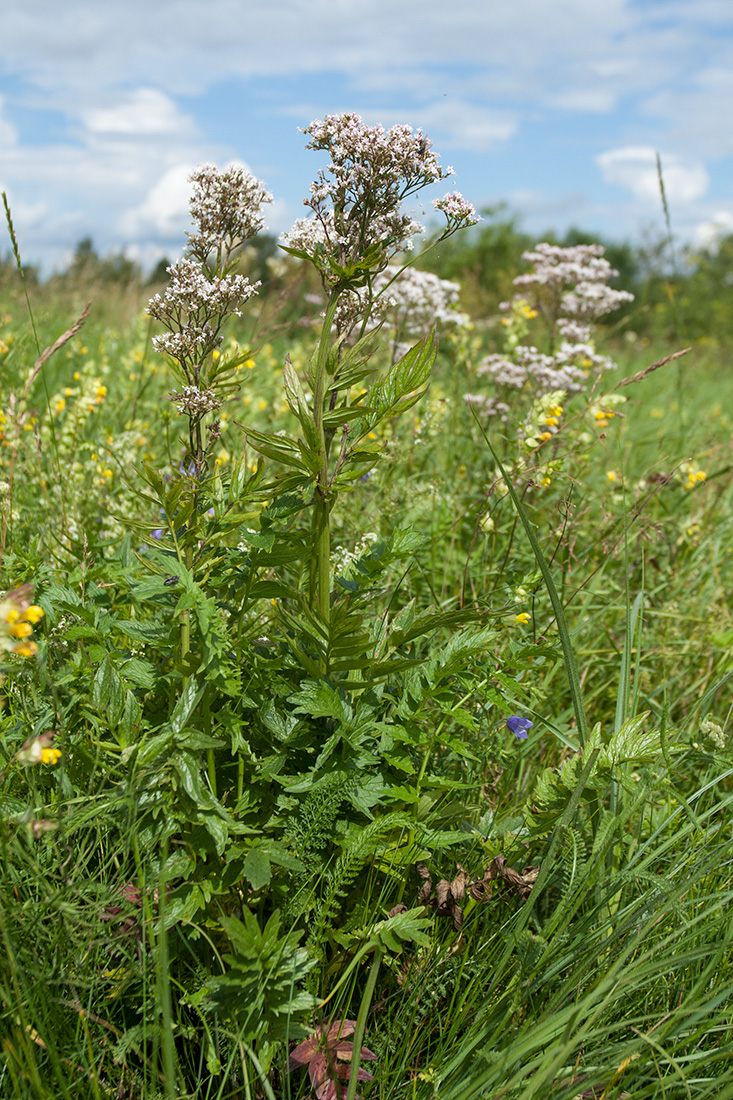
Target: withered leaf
x=425, y=890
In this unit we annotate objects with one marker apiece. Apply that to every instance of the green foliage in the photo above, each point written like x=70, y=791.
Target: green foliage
x=279, y=692
x=596, y=766
x=260, y=988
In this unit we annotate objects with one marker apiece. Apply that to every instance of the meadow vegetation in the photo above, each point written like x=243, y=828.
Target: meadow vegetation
x=366, y=657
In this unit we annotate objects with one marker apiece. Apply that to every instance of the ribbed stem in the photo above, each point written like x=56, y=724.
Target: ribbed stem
x=322, y=504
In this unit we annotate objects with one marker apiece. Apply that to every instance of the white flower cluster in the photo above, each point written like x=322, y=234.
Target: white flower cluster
x=394, y=159
x=412, y=302
x=195, y=402
x=356, y=200
x=572, y=280
x=567, y=289
x=191, y=292
x=417, y=300
x=575, y=331
x=194, y=308
x=504, y=371
x=342, y=559
x=226, y=207
x=459, y=212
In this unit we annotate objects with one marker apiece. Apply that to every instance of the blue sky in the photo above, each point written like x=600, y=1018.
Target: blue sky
x=556, y=107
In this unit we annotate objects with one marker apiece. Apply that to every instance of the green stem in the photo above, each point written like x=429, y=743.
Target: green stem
x=322, y=541
x=361, y=1022
x=164, y=987
x=210, y=757
x=322, y=503
x=258, y=1070
x=186, y=621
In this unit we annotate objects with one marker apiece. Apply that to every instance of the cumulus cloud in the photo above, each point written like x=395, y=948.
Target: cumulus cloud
x=694, y=109
x=163, y=212
x=634, y=167
x=146, y=111
x=8, y=134
x=460, y=125
x=708, y=233
x=544, y=48
x=473, y=76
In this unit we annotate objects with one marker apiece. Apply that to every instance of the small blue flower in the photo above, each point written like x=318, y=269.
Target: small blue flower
x=519, y=726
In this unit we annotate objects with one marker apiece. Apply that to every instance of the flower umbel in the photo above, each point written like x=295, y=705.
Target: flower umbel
x=357, y=221
x=203, y=292
x=226, y=207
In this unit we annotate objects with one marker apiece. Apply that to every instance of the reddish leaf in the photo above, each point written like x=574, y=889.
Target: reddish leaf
x=320, y=1052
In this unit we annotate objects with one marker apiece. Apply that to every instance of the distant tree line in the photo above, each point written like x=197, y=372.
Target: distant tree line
x=687, y=295
x=684, y=294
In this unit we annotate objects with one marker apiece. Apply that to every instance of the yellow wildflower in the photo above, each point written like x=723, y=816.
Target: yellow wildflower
x=38, y=750
x=690, y=475
x=17, y=614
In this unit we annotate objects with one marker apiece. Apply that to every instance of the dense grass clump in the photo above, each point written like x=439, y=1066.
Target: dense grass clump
x=366, y=671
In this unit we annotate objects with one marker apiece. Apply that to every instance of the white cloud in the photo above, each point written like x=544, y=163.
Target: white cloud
x=461, y=125
x=709, y=232
x=472, y=75
x=542, y=48
x=596, y=100
x=121, y=190
x=146, y=111
x=695, y=109
x=8, y=134
x=634, y=167
x=164, y=209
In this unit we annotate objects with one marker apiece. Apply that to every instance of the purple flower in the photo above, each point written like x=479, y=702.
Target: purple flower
x=519, y=727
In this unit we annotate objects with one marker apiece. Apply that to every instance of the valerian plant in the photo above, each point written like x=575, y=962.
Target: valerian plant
x=313, y=764
x=357, y=227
